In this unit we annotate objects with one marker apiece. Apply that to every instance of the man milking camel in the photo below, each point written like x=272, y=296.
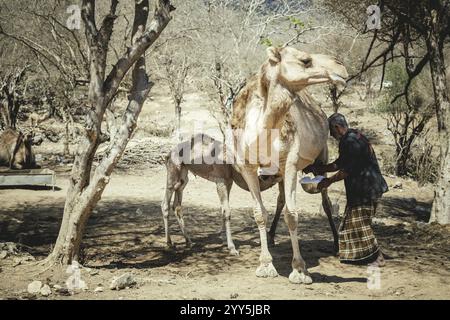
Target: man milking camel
x=358, y=166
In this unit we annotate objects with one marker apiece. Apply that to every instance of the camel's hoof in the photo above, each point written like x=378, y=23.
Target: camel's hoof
x=266, y=271
x=234, y=252
x=299, y=277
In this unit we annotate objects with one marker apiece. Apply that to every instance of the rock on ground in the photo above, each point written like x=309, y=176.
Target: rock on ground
x=34, y=287
x=60, y=290
x=9, y=247
x=45, y=290
x=123, y=281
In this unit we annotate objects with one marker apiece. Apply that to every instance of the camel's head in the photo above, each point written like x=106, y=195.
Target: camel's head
x=297, y=69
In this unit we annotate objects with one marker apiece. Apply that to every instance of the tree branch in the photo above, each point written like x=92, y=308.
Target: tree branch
x=160, y=20
x=411, y=76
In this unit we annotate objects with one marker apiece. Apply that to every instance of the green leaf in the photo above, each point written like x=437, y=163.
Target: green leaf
x=297, y=22
x=266, y=42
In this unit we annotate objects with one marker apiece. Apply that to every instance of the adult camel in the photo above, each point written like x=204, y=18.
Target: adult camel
x=275, y=99
x=182, y=159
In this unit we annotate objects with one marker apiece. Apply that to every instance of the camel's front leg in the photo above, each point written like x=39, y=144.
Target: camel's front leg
x=266, y=268
x=223, y=190
x=328, y=208
x=299, y=272
x=281, y=201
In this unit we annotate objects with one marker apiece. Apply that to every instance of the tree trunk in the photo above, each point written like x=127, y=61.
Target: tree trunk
x=400, y=166
x=84, y=192
x=334, y=97
x=441, y=205
x=5, y=120
x=66, y=150
x=178, y=119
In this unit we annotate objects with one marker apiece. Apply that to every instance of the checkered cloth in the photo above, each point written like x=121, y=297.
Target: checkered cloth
x=356, y=238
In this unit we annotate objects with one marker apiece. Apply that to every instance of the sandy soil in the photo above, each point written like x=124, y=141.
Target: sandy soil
x=125, y=234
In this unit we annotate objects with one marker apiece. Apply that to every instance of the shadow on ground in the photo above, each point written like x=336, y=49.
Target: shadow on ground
x=30, y=187
x=406, y=208
x=130, y=234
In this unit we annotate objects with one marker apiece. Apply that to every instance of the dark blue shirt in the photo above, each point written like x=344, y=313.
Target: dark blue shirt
x=364, y=183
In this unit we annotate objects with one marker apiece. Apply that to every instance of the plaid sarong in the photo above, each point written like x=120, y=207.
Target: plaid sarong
x=356, y=238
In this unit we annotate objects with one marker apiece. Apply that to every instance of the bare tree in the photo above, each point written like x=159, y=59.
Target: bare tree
x=232, y=34
x=58, y=54
x=13, y=87
x=406, y=118
x=424, y=23
x=85, y=190
x=174, y=70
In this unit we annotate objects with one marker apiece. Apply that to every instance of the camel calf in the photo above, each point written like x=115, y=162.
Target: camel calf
x=223, y=175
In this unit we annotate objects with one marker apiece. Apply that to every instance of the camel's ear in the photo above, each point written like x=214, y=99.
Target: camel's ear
x=274, y=55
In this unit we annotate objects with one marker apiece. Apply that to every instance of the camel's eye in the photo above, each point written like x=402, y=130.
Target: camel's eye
x=306, y=62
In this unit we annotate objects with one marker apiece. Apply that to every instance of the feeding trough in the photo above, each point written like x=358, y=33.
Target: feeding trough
x=28, y=177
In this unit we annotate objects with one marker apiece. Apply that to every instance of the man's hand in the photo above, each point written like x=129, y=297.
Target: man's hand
x=325, y=183
x=315, y=169
x=310, y=168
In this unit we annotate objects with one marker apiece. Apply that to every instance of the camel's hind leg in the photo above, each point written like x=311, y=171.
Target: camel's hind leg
x=223, y=190
x=175, y=180
x=326, y=202
x=328, y=208
x=166, y=208
x=177, y=204
x=281, y=201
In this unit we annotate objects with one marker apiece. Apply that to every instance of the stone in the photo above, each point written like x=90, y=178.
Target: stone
x=9, y=247
x=93, y=272
x=408, y=226
x=61, y=290
x=17, y=261
x=398, y=185
x=34, y=287
x=3, y=254
x=123, y=281
x=45, y=290
x=98, y=289
x=421, y=225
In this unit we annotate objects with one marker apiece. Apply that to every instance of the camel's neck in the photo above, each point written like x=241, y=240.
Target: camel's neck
x=277, y=104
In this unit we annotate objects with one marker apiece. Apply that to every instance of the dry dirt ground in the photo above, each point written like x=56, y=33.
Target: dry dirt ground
x=125, y=234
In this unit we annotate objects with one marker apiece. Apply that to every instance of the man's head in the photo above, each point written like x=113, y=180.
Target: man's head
x=338, y=126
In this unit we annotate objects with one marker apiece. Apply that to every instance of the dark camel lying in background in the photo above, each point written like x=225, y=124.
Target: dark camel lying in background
x=16, y=151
